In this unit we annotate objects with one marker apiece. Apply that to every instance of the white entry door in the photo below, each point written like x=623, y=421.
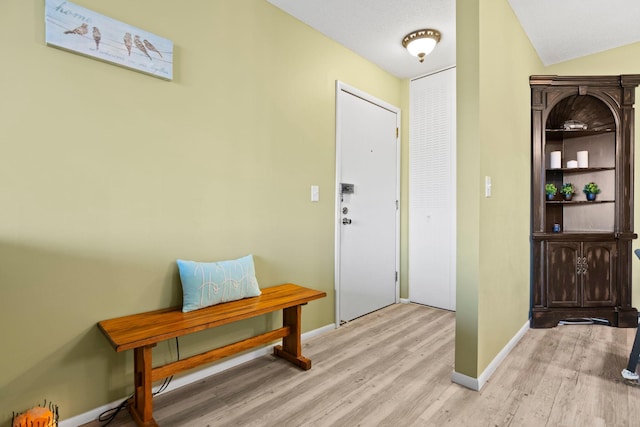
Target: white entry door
x=432, y=190
x=367, y=203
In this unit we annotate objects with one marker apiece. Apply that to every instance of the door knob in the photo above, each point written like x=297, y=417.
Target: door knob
x=346, y=221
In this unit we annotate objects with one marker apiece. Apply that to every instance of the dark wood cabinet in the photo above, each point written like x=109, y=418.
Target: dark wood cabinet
x=583, y=274
x=582, y=132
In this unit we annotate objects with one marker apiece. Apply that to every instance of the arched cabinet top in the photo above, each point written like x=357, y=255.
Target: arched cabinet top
x=625, y=80
x=617, y=91
x=597, y=101
x=598, y=110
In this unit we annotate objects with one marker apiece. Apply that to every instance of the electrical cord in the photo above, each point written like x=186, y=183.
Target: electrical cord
x=110, y=414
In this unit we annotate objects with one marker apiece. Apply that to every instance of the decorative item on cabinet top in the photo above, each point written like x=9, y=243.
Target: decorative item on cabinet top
x=574, y=125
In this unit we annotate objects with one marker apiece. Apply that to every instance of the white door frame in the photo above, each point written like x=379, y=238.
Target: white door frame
x=340, y=86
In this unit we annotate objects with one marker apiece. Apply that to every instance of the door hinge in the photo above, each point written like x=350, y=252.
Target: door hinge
x=396, y=276
x=397, y=205
x=397, y=132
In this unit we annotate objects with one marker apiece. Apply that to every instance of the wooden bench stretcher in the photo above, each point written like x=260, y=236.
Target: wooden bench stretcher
x=141, y=332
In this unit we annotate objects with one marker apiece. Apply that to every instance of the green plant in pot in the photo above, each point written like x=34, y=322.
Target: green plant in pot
x=550, y=190
x=567, y=190
x=590, y=190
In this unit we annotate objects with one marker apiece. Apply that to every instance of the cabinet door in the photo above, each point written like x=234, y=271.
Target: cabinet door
x=563, y=287
x=599, y=274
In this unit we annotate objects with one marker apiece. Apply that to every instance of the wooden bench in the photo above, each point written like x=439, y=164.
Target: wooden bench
x=141, y=332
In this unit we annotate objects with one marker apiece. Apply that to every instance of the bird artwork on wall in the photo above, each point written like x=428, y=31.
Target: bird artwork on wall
x=81, y=30
x=68, y=27
x=140, y=46
x=151, y=47
x=127, y=42
x=96, y=37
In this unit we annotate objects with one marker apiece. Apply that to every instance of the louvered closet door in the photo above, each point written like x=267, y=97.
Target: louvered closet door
x=432, y=190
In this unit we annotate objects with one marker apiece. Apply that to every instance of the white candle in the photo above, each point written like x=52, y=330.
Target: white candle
x=583, y=159
x=556, y=160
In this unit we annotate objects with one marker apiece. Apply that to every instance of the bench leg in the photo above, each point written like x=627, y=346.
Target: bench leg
x=142, y=407
x=291, y=348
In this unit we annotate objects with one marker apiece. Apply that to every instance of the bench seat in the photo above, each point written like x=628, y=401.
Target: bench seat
x=141, y=332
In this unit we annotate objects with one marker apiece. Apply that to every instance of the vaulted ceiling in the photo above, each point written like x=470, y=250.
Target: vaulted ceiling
x=558, y=30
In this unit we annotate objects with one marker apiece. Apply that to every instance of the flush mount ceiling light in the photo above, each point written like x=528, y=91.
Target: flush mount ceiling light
x=420, y=43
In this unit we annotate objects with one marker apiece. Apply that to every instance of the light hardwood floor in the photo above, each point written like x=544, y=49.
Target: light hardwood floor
x=393, y=368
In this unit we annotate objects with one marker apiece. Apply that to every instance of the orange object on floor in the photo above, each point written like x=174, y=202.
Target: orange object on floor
x=35, y=417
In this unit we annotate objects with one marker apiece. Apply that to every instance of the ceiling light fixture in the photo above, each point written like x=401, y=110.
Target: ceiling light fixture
x=420, y=43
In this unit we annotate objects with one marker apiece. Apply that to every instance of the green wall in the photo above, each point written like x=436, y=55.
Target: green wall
x=505, y=66
x=494, y=61
x=108, y=175
x=468, y=189
x=404, y=190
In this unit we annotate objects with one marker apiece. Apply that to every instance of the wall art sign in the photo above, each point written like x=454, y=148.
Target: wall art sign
x=82, y=31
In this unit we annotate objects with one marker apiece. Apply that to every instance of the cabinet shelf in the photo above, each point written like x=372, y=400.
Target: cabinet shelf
x=576, y=133
x=579, y=170
x=581, y=131
x=586, y=235
x=577, y=202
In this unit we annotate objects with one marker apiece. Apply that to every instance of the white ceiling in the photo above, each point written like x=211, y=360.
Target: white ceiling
x=374, y=29
x=558, y=29
x=568, y=29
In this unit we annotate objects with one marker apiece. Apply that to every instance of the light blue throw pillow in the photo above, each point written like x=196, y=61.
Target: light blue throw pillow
x=209, y=283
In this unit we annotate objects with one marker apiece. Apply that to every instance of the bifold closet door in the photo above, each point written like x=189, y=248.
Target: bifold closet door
x=432, y=190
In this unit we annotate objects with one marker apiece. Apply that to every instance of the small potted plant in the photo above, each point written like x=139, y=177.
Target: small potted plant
x=567, y=191
x=550, y=190
x=590, y=190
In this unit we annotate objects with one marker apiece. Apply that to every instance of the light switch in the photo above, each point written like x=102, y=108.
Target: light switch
x=487, y=186
x=315, y=193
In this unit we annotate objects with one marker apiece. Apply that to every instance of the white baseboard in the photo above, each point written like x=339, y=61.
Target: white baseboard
x=477, y=383
x=405, y=300
x=191, y=378
x=465, y=381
